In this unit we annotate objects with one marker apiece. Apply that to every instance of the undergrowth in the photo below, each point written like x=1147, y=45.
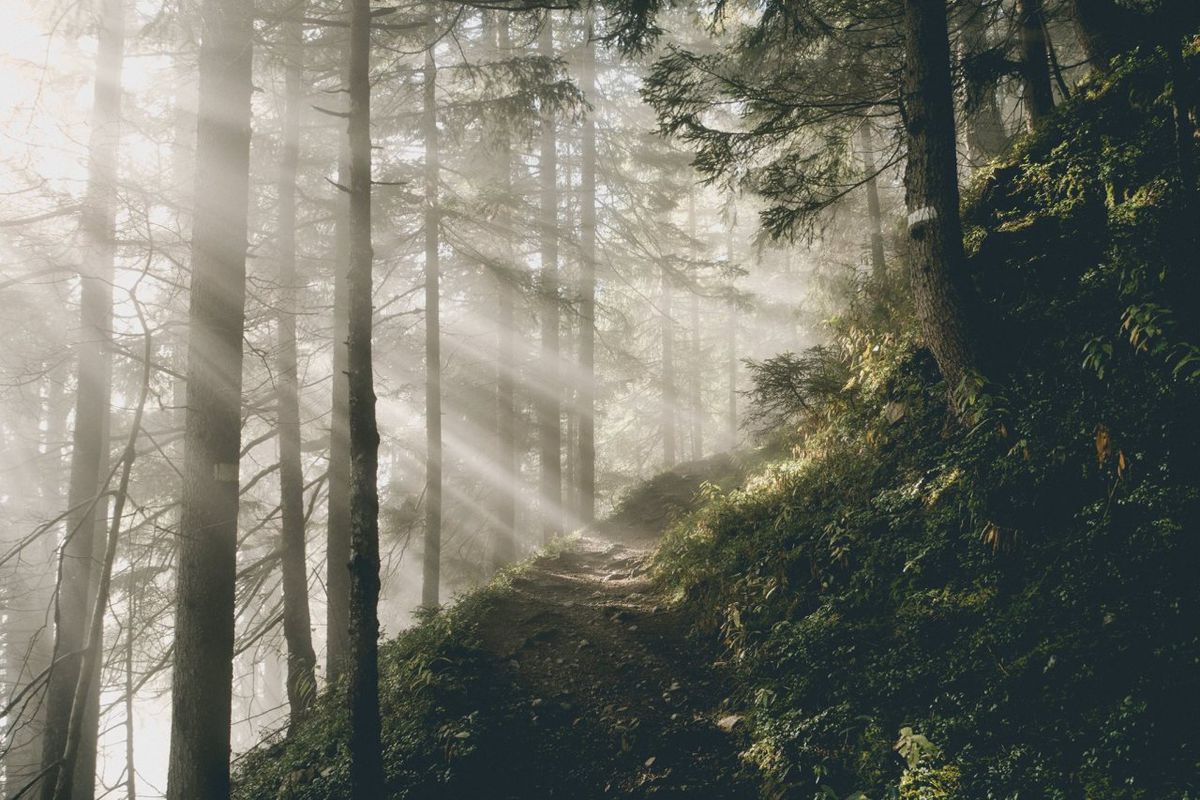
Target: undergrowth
x=912, y=608
x=1008, y=608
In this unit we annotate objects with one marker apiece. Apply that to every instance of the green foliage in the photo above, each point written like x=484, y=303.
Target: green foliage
x=432, y=680
x=1016, y=598
x=789, y=388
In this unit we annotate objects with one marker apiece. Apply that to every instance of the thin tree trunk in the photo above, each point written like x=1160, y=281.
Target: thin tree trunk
x=696, y=403
x=27, y=589
x=431, y=584
x=130, y=763
x=505, y=548
x=93, y=652
x=874, y=214
x=587, y=285
x=89, y=454
x=668, y=370
x=508, y=467
x=731, y=361
x=362, y=690
x=206, y=562
x=337, y=536
x=1035, y=63
x=1183, y=101
x=935, y=228
x=301, y=676
x=985, y=136
x=549, y=392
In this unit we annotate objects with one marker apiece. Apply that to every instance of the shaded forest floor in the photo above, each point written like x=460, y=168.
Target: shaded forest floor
x=570, y=675
x=597, y=688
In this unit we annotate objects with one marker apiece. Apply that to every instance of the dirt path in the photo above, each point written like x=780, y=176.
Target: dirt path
x=597, y=690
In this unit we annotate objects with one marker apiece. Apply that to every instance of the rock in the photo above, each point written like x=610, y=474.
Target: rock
x=729, y=722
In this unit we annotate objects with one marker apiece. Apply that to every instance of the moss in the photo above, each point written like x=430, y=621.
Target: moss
x=1011, y=591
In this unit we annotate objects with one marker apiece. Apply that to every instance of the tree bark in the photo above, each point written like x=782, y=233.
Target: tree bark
x=206, y=562
x=587, y=285
x=89, y=453
x=362, y=690
x=337, y=536
x=931, y=178
x=549, y=393
x=1035, y=63
x=297, y=632
x=1105, y=30
x=431, y=584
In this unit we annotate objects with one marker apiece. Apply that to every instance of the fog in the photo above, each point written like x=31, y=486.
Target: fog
x=688, y=286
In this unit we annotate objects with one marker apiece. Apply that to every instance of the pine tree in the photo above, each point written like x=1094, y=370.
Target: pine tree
x=204, y=621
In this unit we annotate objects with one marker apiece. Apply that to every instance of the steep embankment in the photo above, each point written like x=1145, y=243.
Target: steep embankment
x=569, y=676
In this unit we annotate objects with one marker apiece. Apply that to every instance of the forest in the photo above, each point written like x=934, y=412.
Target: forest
x=782, y=399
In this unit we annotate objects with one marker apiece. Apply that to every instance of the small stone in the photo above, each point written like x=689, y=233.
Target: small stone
x=729, y=722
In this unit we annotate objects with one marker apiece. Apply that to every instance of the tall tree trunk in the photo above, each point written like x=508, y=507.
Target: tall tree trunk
x=337, y=536
x=1105, y=30
x=26, y=588
x=431, y=583
x=206, y=562
x=549, y=392
x=130, y=763
x=696, y=401
x=508, y=467
x=874, y=213
x=89, y=453
x=301, y=677
x=731, y=360
x=362, y=690
x=587, y=286
x=668, y=369
x=504, y=547
x=931, y=178
x=1183, y=102
x=986, y=137
x=81, y=729
x=1035, y=63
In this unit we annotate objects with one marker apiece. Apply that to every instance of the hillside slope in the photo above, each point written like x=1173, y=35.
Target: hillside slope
x=900, y=606
x=569, y=676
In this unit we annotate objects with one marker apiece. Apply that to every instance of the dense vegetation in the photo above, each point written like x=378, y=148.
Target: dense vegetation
x=909, y=606
x=1010, y=605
